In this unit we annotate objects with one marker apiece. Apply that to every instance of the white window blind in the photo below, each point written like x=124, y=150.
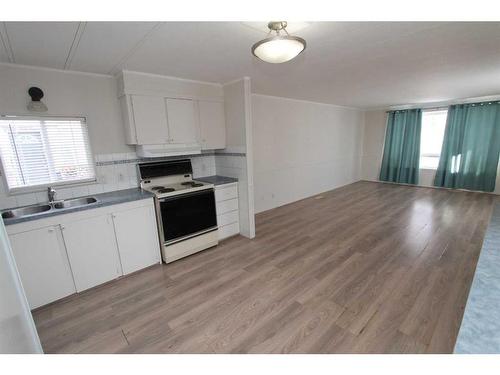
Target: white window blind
x=45, y=151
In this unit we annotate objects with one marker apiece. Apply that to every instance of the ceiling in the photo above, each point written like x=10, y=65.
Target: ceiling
x=357, y=64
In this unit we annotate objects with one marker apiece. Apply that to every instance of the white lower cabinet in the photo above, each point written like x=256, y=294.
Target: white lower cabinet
x=60, y=255
x=43, y=265
x=226, y=204
x=92, y=251
x=137, y=238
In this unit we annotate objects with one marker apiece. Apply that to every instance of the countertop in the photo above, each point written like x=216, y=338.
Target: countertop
x=217, y=180
x=103, y=199
x=480, y=329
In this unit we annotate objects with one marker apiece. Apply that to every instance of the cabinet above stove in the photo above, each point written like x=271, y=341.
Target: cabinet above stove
x=167, y=116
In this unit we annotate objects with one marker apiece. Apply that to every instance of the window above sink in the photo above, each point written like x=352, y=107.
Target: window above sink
x=37, y=152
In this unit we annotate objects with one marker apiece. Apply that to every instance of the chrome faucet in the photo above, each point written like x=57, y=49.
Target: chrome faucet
x=51, y=193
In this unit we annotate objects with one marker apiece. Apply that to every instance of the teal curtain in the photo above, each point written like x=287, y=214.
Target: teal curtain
x=471, y=145
x=400, y=162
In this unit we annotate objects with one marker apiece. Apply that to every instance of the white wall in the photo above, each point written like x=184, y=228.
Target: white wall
x=373, y=146
x=236, y=159
x=234, y=104
x=95, y=97
x=302, y=148
x=68, y=94
x=139, y=83
x=373, y=143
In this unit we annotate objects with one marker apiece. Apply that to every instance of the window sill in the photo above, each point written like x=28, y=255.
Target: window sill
x=428, y=169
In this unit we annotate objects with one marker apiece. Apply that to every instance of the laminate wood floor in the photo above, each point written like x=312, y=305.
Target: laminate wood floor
x=366, y=268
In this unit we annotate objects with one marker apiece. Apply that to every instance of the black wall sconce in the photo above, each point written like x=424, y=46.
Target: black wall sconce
x=36, y=104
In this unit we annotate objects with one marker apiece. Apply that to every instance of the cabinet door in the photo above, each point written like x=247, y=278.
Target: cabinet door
x=212, y=125
x=92, y=251
x=182, y=122
x=137, y=238
x=150, y=119
x=43, y=265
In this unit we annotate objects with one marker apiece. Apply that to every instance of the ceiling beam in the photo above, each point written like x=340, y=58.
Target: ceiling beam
x=4, y=36
x=74, y=45
x=116, y=68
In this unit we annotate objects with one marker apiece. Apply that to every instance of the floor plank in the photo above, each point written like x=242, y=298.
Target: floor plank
x=366, y=268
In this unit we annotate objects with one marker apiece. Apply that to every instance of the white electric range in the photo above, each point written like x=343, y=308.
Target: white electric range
x=185, y=208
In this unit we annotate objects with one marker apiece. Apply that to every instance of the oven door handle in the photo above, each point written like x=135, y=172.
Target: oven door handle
x=185, y=195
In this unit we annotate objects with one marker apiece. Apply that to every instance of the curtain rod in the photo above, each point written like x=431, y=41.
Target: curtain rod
x=443, y=104
x=444, y=107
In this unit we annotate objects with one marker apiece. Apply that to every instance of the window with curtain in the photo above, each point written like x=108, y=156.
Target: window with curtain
x=431, y=138
x=471, y=147
x=43, y=151
x=400, y=161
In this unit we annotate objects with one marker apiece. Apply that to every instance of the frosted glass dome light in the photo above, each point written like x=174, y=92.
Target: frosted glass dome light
x=279, y=48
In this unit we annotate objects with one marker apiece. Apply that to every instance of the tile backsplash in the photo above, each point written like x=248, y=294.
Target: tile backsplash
x=113, y=171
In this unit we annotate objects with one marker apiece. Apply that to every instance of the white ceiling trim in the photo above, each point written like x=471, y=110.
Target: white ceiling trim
x=6, y=42
x=116, y=68
x=310, y=102
x=234, y=81
x=171, y=77
x=74, y=45
x=36, y=67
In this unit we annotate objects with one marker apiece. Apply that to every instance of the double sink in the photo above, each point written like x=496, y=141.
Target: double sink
x=39, y=208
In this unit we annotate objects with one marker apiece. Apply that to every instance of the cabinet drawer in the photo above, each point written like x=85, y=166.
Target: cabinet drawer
x=228, y=218
x=227, y=206
x=229, y=230
x=225, y=193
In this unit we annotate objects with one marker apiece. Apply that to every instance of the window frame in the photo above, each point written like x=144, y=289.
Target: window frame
x=433, y=155
x=42, y=187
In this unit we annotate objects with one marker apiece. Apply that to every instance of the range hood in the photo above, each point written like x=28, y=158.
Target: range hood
x=158, y=151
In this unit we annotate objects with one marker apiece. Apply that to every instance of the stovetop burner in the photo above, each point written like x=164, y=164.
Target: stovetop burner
x=157, y=187
x=191, y=183
x=165, y=190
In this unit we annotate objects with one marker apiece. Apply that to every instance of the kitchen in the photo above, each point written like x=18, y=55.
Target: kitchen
x=196, y=127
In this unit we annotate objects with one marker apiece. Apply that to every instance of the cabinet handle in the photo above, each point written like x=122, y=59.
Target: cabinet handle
x=51, y=230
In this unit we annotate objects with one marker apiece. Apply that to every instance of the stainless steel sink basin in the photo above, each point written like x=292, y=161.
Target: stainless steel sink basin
x=75, y=202
x=25, y=211
x=39, y=208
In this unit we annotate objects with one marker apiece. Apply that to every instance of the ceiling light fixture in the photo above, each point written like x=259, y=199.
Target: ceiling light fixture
x=279, y=48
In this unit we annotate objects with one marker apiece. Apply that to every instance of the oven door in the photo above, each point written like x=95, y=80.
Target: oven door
x=187, y=215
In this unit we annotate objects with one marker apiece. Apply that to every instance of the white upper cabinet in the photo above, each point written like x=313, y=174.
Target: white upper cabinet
x=182, y=122
x=212, y=125
x=43, y=265
x=169, y=116
x=150, y=119
x=92, y=251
